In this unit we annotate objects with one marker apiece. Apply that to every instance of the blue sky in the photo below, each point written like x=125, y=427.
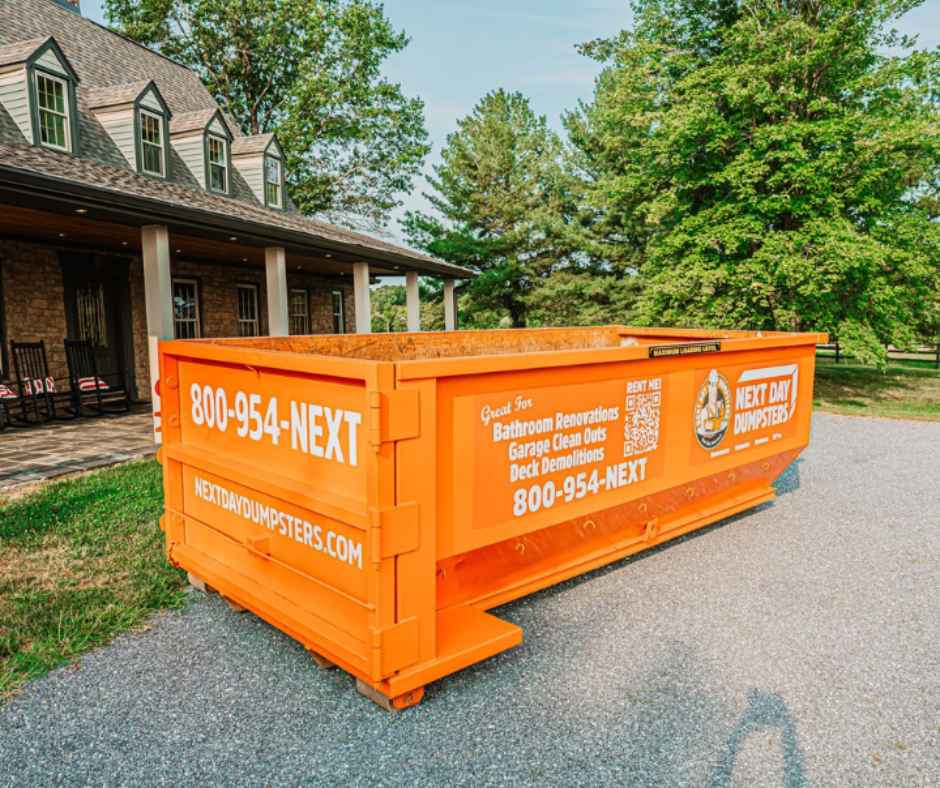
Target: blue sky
x=461, y=49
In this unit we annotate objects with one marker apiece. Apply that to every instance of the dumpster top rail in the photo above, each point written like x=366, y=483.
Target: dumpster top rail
x=422, y=346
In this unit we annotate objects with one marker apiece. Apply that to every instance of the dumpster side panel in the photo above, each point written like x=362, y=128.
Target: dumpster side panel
x=524, y=451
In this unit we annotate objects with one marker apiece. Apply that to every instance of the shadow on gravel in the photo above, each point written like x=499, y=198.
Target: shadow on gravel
x=766, y=711
x=789, y=480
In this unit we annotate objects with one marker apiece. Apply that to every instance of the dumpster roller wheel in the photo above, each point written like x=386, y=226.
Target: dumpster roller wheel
x=400, y=703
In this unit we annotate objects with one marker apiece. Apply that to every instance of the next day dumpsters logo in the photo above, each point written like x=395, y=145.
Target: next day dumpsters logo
x=740, y=408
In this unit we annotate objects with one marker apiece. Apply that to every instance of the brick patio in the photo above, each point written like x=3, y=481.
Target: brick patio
x=33, y=454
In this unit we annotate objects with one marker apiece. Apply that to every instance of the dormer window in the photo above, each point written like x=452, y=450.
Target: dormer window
x=52, y=99
x=218, y=163
x=38, y=93
x=137, y=119
x=152, y=159
x=260, y=163
x=273, y=191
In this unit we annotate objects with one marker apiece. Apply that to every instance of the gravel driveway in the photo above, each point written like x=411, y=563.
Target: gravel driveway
x=795, y=645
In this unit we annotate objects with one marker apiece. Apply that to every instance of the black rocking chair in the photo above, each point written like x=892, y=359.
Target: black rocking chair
x=39, y=401
x=89, y=390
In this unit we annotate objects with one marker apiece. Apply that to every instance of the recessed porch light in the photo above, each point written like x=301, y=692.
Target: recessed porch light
x=178, y=251
x=327, y=255
x=244, y=259
x=61, y=235
x=123, y=243
x=233, y=237
x=81, y=210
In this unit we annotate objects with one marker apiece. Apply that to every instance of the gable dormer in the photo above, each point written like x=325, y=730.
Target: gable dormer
x=137, y=119
x=260, y=161
x=203, y=141
x=38, y=89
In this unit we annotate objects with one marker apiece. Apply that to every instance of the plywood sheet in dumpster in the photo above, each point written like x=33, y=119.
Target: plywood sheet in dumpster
x=286, y=426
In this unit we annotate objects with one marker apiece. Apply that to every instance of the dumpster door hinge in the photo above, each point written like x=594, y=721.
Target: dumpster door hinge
x=393, y=531
x=394, y=415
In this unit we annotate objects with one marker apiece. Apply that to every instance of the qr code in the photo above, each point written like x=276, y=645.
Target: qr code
x=641, y=422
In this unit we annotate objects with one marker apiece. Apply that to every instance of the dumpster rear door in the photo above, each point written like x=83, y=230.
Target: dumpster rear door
x=273, y=481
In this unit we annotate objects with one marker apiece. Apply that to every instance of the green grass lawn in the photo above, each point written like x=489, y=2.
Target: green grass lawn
x=906, y=390
x=80, y=562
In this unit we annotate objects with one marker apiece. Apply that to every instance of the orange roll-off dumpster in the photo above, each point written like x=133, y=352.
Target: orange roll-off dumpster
x=374, y=495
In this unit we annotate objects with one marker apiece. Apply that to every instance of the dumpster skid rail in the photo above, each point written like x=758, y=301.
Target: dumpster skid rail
x=373, y=496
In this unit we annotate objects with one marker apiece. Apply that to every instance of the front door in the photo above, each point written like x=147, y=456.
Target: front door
x=97, y=308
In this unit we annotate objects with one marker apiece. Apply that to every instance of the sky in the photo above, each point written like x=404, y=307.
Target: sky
x=462, y=49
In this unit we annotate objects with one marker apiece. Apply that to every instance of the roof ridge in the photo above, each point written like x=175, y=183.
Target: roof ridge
x=117, y=33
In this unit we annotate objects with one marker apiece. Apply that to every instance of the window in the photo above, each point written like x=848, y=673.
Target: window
x=53, y=96
x=218, y=164
x=272, y=182
x=92, y=327
x=186, y=309
x=151, y=143
x=339, y=316
x=248, y=311
x=299, y=312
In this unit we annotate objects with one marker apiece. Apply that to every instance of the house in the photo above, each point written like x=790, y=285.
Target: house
x=132, y=206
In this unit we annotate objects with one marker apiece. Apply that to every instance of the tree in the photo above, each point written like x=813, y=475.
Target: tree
x=501, y=200
x=582, y=298
x=309, y=70
x=388, y=308
x=764, y=164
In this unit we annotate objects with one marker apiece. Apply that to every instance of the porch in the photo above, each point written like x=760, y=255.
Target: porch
x=81, y=265
x=34, y=454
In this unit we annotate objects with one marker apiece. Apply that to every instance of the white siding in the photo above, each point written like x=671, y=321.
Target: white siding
x=120, y=127
x=190, y=149
x=275, y=150
x=252, y=170
x=14, y=97
x=150, y=101
x=51, y=61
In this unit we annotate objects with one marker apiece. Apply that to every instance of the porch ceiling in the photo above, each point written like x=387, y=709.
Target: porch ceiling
x=97, y=231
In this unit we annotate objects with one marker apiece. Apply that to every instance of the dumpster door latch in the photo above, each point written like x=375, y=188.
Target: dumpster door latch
x=394, y=415
x=394, y=531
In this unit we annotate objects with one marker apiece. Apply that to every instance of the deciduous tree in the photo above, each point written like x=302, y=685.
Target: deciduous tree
x=770, y=164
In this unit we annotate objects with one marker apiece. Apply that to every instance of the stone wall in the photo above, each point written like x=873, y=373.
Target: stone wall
x=34, y=302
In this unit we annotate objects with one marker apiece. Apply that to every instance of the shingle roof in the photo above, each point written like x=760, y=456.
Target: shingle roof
x=124, y=181
x=112, y=95
x=257, y=143
x=19, y=51
x=112, y=67
x=191, y=121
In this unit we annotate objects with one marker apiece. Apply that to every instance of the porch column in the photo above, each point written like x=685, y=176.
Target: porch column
x=155, y=242
x=275, y=271
x=450, y=305
x=361, y=298
x=158, y=297
x=413, y=301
